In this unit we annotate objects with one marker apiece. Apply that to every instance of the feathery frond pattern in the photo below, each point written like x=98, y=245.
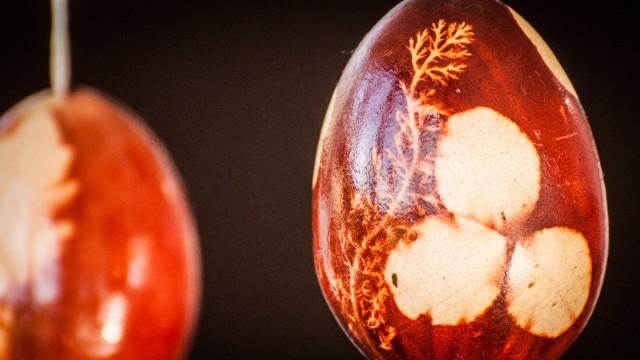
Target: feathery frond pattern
x=437, y=57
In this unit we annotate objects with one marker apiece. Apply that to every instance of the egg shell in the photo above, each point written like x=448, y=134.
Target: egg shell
x=459, y=209
x=100, y=254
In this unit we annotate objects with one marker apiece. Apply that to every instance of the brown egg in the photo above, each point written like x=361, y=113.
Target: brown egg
x=98, y=250
x=458, y=203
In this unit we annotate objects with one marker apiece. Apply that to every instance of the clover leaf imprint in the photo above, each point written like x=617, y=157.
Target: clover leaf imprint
x=488, y=172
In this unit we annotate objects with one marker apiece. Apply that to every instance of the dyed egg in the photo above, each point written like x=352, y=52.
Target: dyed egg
x=98, y=250
x=458, y=202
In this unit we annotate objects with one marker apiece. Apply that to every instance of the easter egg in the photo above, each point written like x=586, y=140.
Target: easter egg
x=98, y=249
x=459, y=208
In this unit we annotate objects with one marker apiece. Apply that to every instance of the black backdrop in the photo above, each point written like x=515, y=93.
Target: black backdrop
x=237, y=91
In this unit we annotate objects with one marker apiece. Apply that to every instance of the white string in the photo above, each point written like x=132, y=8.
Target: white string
x=60, y=61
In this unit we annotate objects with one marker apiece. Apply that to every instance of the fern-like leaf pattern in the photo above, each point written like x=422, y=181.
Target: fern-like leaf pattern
x=437, y=57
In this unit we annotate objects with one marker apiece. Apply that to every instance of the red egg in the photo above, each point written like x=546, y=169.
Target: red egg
x=459, y=209
x=98, y=250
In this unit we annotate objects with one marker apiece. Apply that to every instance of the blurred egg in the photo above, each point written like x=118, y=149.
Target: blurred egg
x=98, y=250
x=459, y=209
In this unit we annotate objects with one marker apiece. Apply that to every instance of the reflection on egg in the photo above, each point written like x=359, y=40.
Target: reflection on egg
x=458, y=202
x=98, y=250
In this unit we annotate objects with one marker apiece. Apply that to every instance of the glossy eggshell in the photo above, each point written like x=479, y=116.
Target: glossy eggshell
x=460, y=213
x=100, y=251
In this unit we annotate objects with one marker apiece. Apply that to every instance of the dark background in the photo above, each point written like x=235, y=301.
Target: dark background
x=237, y=91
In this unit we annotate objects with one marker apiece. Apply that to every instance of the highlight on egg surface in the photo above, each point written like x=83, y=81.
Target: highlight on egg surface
x=458, y=202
